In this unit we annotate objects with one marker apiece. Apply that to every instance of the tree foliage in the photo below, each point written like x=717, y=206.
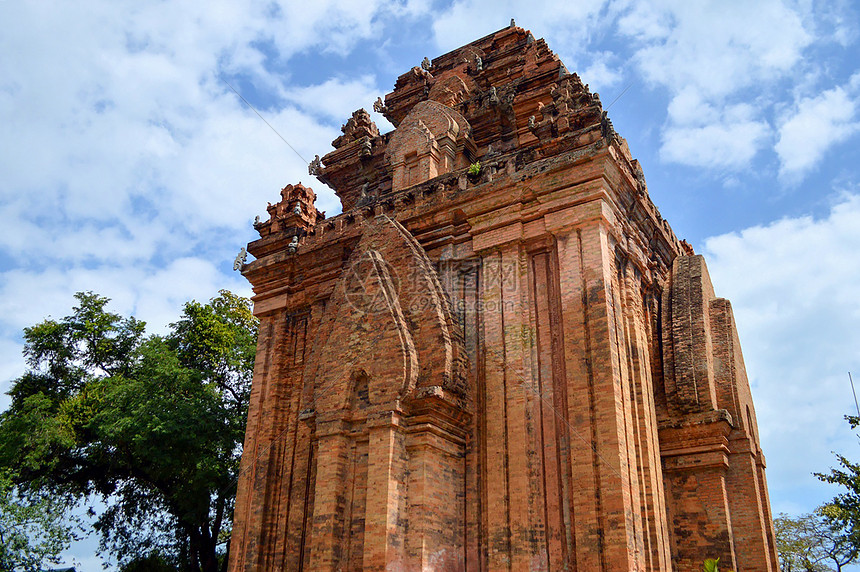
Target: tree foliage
x=151, y=425
x=817, y=542
x=843, y=512
x=33, y=531
x=798, y=543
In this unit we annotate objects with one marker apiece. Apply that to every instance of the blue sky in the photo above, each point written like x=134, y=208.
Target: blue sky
x=130, y=168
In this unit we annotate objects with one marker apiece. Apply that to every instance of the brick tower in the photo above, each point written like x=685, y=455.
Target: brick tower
x=498, y=357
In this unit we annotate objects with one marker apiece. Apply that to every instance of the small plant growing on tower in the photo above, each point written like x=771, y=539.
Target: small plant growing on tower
x=711, y=565
x=474, y=169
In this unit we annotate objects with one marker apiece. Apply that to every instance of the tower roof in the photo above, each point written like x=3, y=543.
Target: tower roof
x=504, y=93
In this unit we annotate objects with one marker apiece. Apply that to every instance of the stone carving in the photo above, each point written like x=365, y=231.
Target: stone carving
x=430, y=141
x=293, y=246
x=294, y=213
x=358, y=126
x=379, y=106
x=240, y=259
x=426, y=64
x=688, y=249
x=479, y=63
x=607, y=131
x=422, y=74
x=366, y=147
x=314, y=166
x=365, y=195
x=451, y=90
x=572, y=107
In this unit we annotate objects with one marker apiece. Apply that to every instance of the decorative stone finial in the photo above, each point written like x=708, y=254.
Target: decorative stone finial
x=293, y=246
x=513, y=23
x=379, y=106
x=426, y=64
x=366, y=147
x=241, y=258
x=314, y=166
x=358, y=126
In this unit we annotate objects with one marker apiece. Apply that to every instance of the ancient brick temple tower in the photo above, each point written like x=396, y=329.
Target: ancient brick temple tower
x=498, y=357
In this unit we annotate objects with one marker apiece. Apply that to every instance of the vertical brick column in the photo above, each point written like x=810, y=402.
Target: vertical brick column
x=606, y=538
x=252, y=500
x=745, y=502
x=548, y=365
x=695, y=464
x=747, y=498
x=498, y=512
x=528, y=544
x=691, y=387
x=327, y=535
x=385, y=520
x=580, y=387
x=436, y=511
x=643, y=415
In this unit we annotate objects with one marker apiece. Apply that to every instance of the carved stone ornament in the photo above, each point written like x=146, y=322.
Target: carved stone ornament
x=314, y=166
x=358, y=126
x=240, y=259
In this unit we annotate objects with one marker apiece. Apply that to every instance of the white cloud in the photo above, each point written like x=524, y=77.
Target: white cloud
x=131, y=170
x=336, y=99
x=793, y=287
x=152, y=293
x=717, y=47
x=713, y=58
x=689, y=107
x=717, y=139
x=12, y=365
x=838, y=21
x=604, y=72
x=815, y=125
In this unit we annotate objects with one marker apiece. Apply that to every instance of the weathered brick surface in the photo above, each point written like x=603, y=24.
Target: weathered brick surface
x=515, y=369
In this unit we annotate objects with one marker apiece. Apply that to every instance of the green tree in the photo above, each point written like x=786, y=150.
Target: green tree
x=33, y=531
x=150, y=425
x=798, y=543
x=837, y=537
x=817, y=542
x=843, y=512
